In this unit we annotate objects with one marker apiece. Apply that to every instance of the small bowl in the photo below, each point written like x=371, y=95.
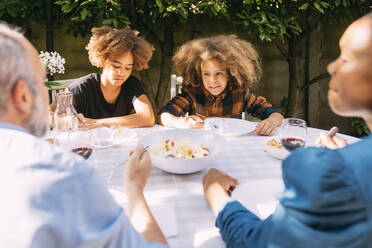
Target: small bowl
x=214, y=142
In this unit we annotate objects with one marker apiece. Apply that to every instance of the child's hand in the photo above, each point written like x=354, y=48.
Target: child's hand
x=268, y=126
x=191, y=121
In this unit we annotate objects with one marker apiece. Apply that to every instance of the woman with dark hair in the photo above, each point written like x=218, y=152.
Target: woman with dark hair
x=109, y=97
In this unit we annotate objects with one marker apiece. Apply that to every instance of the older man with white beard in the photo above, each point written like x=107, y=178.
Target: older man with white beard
x=50, y=198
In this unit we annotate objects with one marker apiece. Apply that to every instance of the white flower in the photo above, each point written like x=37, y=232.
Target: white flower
x=53, y=62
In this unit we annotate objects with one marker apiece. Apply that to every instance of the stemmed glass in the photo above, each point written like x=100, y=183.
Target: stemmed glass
x=293, y=133
x=83, y=143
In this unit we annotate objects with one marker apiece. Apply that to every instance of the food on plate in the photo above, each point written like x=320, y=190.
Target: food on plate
x=275, y=143
x=181, y=148
x=121, y=132
x=50, y=140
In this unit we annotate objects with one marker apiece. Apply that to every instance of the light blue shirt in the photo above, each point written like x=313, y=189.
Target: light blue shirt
x=50, y=198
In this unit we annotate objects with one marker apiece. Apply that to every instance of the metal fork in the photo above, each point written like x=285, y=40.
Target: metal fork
x=146, y=149
x=108, y=177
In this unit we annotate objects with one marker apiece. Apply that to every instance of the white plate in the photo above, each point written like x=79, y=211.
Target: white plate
x=259, y=196
x=120, y=135
x=233, y=127
x=278, y=153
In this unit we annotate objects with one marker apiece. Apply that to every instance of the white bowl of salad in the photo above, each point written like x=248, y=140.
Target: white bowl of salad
x=183, y=151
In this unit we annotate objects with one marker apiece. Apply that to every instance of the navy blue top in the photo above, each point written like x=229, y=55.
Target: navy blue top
x=327, y=202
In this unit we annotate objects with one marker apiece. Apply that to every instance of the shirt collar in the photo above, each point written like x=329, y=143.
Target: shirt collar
x=6, y=125
x=213, y=98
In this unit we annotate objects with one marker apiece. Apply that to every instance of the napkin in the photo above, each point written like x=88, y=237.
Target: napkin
x=259, y=196
x=163, y=213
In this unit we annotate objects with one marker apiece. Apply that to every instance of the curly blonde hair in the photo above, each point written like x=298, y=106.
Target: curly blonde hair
x=109, y=43
x=242, y=62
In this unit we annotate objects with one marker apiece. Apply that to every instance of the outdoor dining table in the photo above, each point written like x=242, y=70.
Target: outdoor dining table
x=244, y=157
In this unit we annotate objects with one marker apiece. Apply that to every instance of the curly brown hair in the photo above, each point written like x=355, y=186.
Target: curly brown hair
x=109, y=43
x=242, y=62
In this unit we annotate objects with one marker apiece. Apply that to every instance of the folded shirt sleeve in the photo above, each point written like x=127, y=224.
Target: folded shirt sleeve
x=258, y=106
x=321, y=205
x=239, y=227
x=179, y=105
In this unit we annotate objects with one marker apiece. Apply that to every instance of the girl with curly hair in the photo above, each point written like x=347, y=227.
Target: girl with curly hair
x=109, y=97
x=217, y=73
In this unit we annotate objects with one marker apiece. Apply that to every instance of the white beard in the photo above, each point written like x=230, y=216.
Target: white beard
x=37, y=124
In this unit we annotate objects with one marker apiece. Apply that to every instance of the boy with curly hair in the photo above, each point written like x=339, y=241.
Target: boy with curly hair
x=217, y=73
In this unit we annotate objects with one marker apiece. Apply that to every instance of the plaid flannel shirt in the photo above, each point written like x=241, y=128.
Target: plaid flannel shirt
x=230, y=103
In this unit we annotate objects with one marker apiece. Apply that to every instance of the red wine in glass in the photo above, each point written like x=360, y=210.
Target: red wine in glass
x=292, y=143
x=83, y=151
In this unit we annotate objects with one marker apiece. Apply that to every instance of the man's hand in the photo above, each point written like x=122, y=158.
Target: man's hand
x=268, y=126
x=137, y=170
x=191, y=121
x=218, y=187
x=330, y=142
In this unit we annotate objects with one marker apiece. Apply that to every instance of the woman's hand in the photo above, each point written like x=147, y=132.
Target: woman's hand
x=191, y=121
x=268, y=126
x=88, y=123
x=330, y=142
x=218, y=187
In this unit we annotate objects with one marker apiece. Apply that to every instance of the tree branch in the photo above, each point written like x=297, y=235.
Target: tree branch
x=133, y=12
x=315, y=80
x=282, y=51
x=152, y=34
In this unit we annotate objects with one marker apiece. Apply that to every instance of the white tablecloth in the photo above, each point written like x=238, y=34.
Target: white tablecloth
x=245, y=158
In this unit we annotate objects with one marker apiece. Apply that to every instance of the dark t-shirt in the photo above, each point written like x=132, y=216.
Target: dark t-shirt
x=90, y=101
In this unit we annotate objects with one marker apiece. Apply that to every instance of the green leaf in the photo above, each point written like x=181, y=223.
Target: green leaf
x=49, y=84
x=115, y=22
x=84, y=14
x=183, y=12
x=324, y=4
x=60, y=2
x=318, y=7
x=85, y=3
x=107, y=22
x=160, y=5
x=241, y=16
x=66, y=8
x=75, y=18
x=304, y=6
x=171, y=8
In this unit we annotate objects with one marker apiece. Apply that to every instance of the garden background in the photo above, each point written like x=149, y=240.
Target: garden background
x=295, y=38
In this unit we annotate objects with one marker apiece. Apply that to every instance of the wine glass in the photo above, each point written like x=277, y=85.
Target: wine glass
x=83, y=143
x=293, y=133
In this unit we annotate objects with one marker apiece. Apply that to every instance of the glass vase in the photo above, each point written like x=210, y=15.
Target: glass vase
x=65, y=121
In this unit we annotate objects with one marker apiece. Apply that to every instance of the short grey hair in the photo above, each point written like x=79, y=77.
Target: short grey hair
x=15, y=64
